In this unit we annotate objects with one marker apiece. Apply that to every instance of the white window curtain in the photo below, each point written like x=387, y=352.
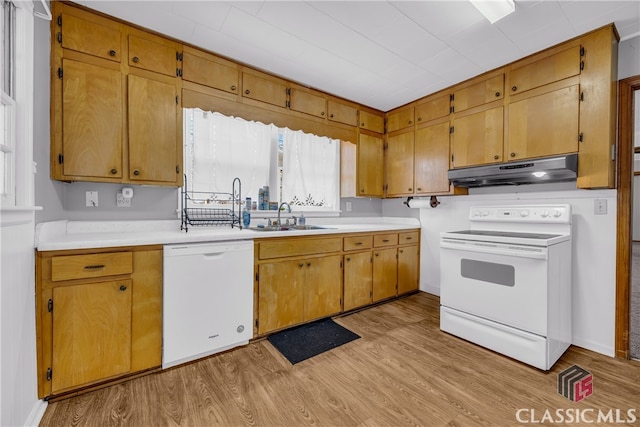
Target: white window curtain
x=310, y=171
x=221, y=148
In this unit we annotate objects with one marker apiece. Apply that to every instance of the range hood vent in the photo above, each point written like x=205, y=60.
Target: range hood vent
x=537, y=171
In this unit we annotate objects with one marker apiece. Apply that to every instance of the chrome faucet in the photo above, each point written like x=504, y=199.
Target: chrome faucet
x=279, y=209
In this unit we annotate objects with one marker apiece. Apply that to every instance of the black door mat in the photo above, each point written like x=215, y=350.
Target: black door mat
x=301, y=343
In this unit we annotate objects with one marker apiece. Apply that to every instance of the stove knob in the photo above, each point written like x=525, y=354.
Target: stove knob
x=556, y=213
x=475, y=213
x=485, y=213
x=544, y=214
x=524, y=213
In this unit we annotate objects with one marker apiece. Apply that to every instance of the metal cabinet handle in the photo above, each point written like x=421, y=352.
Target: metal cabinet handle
x=113, y=171
x=358, y=243
x=377, y=254
x=322, y=114
x=514, y=88
x=410, y=189
x=513, y=154
x=301, y=264
x=348, y=259
x=385, y=241
x=136, y=172
x=419, y=119
x=496, y=157
x=136, y=59
x=247, y=91
x=233, y=87
x=331, y=115
x=362, y=124
x=408, y=238
x=497, y=94
x=410, y=122
x=419, y=189
x=112, y=52
x=123, y=288
x=94, y=267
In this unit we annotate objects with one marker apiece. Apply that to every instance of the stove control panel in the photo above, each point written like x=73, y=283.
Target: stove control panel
x=522, y=213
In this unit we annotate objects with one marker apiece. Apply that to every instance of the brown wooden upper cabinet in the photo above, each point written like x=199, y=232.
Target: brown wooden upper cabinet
x=87, y=33
x=399, y=164
x=477, y=138
x=153, y=53
x=264, y=88
x=306, y=101
x=209, y=70
x=433, y=108
x=370, y=166
x=431, y=160
x=91, y=132
x=371, y=121
x=550, y=69
x=557, y=110
x=479, y=93
x=400, y=119
x=342, y=113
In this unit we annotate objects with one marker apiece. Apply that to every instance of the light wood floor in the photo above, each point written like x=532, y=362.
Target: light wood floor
x=403, y=371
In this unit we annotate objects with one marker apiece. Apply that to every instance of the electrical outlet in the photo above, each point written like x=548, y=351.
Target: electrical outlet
x=91, y=199
x=348, y=205
x=121, y=201
x=600, y=206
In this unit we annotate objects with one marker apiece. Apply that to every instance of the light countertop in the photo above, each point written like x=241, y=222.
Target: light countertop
x=63, y=235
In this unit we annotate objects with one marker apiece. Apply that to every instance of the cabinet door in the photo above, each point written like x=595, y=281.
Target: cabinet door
x=399, y=164
x=432, y=159
x=385, y=273
x=91, y=130
x=209, y=70
x=343, y=113
x=544, y=125
x=264, y=89
x=94, y=35
x=371, y=121
x=91, y=333
x=477, y=138
x=153, y=144
x=433, y=109
x=400, y=119
x=308, y=103
x=154, y=55
x=479, y=93
x=548, y=70
x=358, y=280
x=370, y=166
x=408, y=268
x=323, y=287
x=280, y=295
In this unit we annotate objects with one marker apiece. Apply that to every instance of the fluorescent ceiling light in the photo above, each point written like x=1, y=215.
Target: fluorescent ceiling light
x=494, y=10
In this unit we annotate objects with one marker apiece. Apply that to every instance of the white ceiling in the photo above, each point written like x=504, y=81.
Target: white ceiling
x=379, y=53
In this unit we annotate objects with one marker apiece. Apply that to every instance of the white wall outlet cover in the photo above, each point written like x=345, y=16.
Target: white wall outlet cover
x=127, y=192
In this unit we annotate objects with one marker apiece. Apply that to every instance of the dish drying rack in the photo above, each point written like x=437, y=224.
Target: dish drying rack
x=197, y=212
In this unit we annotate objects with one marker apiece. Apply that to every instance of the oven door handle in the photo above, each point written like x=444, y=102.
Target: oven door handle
x=495, y=248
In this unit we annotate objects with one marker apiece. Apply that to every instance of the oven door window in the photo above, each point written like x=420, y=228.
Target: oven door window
x=500, y=274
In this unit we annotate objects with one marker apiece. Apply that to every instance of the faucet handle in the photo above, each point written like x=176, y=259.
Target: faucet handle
x=295, y=220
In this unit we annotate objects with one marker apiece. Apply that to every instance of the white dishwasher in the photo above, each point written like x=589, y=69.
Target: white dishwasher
x=207, y=299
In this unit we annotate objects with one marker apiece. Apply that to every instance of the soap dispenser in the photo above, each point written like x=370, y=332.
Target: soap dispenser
x=302, y=219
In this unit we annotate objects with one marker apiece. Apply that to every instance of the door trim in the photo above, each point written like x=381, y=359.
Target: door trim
x=626, y=89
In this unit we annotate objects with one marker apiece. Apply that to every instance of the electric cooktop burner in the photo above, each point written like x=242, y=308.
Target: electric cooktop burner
x=540, y=236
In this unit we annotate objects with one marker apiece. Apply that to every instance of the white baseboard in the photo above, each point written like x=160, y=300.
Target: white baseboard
x=37, y=412
x=593, y=346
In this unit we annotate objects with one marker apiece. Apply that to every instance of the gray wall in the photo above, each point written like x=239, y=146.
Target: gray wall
x=629, y=58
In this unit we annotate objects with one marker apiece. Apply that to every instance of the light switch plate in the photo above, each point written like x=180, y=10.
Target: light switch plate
x=91, y=199
x=600, y=206
x=348, y=206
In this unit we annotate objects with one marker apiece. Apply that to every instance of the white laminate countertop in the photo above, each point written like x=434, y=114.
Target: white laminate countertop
x=63, y=235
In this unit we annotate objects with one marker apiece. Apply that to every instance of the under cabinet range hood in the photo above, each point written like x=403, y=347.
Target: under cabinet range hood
x=536, y=171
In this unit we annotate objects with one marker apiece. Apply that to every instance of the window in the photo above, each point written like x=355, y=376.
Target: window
x=16, y=103
x=8, y=104
x=300, y=169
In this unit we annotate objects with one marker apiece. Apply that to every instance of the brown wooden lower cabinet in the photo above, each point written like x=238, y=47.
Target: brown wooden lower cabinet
x=306, y=278
x=99, y=316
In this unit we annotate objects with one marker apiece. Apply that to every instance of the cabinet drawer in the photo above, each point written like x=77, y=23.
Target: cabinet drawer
x=408, y=237
x=91, y=265
x=358, y=242
x=380, y=240
x=297, y=247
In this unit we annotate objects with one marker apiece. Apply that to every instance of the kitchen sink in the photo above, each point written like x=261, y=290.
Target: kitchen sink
x=288, y=227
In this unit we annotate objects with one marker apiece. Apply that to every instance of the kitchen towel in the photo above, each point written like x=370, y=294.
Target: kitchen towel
x=302, y=342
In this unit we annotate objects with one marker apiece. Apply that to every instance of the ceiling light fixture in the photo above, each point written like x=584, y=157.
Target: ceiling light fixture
x=494, y=10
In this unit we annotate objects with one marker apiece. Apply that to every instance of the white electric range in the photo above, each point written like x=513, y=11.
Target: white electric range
x=506, y=281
